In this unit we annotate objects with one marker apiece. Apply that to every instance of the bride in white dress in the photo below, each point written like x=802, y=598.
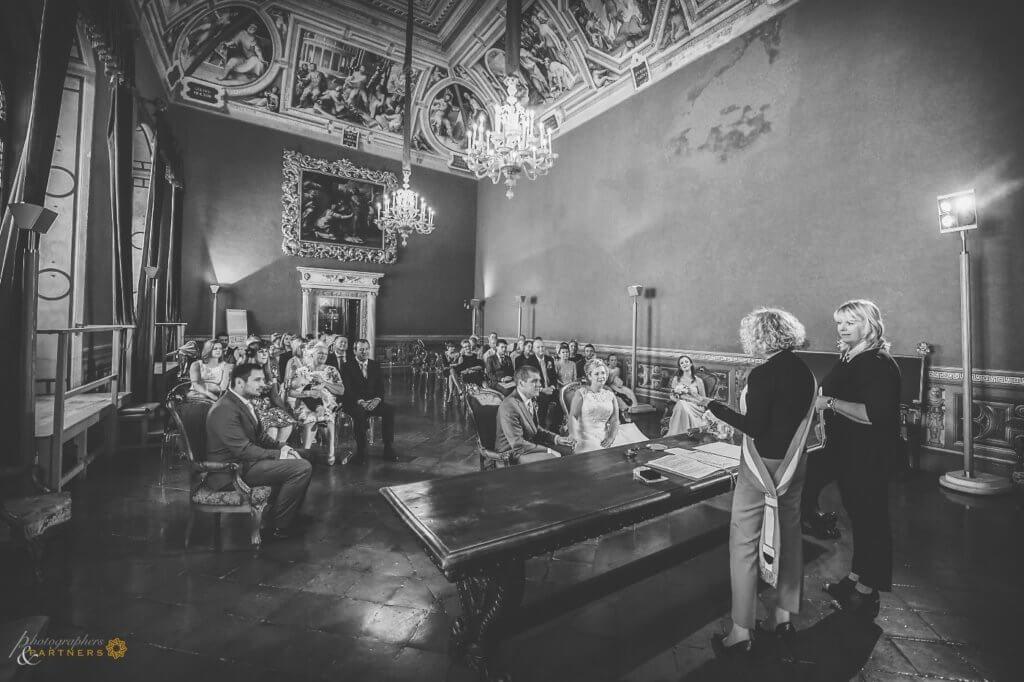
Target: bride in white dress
x=594, y=415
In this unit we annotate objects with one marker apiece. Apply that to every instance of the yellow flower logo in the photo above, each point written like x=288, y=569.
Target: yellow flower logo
x=116, y=648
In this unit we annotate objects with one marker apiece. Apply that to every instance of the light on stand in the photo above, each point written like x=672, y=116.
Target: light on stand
x=214, y=288
x=958, y=212
x=634, y=291
x=519, y=327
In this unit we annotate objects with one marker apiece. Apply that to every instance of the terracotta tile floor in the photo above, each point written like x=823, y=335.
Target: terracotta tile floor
x=356, y=599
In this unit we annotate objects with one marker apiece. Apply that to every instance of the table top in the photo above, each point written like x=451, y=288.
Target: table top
x=480, y=518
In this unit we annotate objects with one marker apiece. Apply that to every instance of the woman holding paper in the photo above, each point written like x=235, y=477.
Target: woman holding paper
x=764, y=532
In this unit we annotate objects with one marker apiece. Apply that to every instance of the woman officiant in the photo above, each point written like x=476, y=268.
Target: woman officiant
x=779, y=404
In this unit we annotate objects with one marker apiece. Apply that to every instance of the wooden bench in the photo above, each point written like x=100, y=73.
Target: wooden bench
x=479, y=529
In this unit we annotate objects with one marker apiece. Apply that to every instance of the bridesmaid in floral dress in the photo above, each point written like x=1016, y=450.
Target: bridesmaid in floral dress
x=314, y=391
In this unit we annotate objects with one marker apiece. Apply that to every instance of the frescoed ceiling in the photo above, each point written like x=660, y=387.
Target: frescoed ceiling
x=332, y=69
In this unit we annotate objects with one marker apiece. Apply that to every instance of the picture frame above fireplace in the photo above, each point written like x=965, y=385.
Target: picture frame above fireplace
x=329, y=210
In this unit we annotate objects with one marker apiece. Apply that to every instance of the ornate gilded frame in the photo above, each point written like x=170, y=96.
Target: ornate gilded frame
x=291, y=199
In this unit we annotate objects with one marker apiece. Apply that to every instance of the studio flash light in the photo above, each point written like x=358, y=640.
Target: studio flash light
x=958, y=212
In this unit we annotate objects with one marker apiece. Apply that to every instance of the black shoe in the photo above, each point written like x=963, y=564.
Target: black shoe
x=358, y=458
x=739, y=650
x=840, y=590
x=281, y=534
x=785, y=633
x=861, y=605
x=389, y=453
x=821, y=525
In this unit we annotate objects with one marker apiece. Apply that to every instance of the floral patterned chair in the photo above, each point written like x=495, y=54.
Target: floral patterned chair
x=31, y=509
x=190, y=419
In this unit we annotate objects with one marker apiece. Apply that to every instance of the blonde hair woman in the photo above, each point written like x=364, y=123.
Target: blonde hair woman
x=210, y=373
x=861, y=404
x=315, y=388
x=594, y=415
x=778, y=402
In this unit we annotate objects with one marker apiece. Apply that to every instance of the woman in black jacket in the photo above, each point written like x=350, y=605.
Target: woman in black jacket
x=861, y=402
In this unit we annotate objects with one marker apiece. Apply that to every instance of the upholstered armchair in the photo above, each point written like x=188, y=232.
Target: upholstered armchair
x=30, y=509
x=190, y=418
x=482, y=404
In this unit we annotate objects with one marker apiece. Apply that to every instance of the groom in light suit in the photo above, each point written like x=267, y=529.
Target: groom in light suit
x=519, y=431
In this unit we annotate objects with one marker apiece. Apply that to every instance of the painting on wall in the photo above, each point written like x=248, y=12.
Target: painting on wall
x=453, y=109
x=347, y=83
x=614, y=26
x=233, y=44
x=329, y=210
x=546, y=65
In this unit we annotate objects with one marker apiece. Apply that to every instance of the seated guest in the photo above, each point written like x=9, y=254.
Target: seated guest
x=551, y=410
x=270, y=406
x=490, y=346
x=574, y=353
x=589, y=353
x=365, y=398
x=234, y=434
x=209, y=374
x=565, y=368
x=339, y=353
x=469, y=368
x=519, y=431
x=686, y=415
x=286, y=353
x=474, y=344
x=525, y=353
x=314, y=390
x=238, y=354
x=451, y=354
x=624, y=395
x=518, y=348
x=295, y=361
x=499, y=370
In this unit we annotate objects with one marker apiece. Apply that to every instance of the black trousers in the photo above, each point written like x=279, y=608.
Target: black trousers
x=863, y=480
x=288, y=480
x=361, y=422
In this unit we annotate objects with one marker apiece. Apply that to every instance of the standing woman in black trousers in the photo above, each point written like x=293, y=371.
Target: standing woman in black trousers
x=860, y=398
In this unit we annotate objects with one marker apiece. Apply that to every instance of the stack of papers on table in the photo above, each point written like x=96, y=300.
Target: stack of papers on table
x=682, y=463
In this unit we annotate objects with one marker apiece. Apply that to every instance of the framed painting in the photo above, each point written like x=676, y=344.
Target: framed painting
x=329, y=210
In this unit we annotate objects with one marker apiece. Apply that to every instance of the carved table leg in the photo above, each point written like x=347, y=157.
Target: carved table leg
x=488, y=604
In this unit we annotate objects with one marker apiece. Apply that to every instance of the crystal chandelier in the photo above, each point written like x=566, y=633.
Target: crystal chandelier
x=513, y=147
x=403, y=210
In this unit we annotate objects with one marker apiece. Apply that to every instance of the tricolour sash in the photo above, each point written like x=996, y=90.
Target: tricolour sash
x=768, y=547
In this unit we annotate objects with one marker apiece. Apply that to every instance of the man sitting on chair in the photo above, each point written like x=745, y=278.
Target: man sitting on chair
x=519, y=430
x=498, y=367
x=234, y=434
x=364, y=398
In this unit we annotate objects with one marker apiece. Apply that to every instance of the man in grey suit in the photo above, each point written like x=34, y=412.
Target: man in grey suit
x=519, y=430
x=234, y=434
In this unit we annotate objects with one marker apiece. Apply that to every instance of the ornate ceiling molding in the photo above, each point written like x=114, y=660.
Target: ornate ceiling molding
x=250, y=60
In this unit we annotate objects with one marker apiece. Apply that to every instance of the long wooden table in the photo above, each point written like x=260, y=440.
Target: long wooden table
x=480, y=528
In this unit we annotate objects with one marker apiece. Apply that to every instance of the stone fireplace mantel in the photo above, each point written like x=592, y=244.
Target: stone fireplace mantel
x=319, y=284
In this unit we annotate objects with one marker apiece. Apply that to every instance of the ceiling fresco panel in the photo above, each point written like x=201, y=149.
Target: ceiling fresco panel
x=331, y=69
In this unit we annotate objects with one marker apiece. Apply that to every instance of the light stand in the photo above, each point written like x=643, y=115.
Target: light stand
x=958, y=213
x=214, y=288
x=36, y=221
x=520, y=300
x=151, y=275
x=634, y=291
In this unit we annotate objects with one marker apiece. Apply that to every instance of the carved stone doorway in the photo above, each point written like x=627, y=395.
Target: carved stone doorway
x=339, y=302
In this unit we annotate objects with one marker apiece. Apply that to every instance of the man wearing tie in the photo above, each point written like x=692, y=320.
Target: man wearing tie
x=550, y=412
x=234, y=434
x=519, y=431
x=364, y=397
x=498, y=368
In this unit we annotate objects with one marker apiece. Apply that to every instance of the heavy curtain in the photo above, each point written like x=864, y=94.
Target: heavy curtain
x=56, y=27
